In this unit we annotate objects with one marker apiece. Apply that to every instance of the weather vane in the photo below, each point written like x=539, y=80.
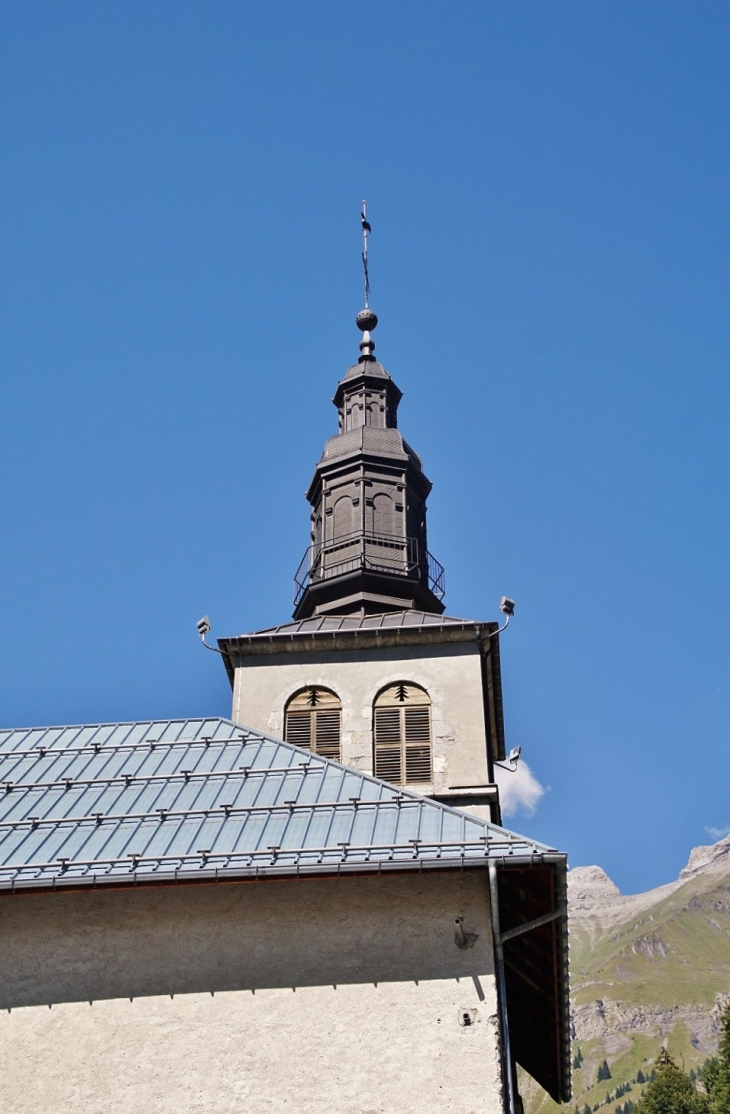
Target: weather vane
x=365, y=229
x=366, y=320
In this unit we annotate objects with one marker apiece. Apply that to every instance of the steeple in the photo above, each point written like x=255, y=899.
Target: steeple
x=368, y=551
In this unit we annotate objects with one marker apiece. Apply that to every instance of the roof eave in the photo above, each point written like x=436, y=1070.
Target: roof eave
x=254, y=644
x=213, y=875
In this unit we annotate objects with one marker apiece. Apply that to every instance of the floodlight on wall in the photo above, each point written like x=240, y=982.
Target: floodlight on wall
x=507, y=607
x=512, y=759
x=203, y=626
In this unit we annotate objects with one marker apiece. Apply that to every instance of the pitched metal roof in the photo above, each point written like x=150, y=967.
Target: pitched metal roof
x=181, y=800
x=390, y=620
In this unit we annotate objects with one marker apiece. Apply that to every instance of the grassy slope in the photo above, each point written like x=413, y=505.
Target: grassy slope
x=673, y=958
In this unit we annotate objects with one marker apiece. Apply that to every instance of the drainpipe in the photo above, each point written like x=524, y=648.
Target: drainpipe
x=509, y=1106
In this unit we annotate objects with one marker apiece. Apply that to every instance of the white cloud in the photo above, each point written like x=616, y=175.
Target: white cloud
x=519, y=791
x=717, y=833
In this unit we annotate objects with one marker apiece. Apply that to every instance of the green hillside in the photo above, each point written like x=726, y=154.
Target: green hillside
x=646, y=971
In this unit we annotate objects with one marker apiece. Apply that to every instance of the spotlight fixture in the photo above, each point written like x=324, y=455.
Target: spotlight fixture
x=507, y=607
x=203, y=626
x=512, y=759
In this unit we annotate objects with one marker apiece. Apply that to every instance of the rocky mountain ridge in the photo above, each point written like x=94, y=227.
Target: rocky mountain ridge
x=647, y=970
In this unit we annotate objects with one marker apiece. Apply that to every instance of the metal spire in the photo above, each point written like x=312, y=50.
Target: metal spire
x=366, y=320
x=365, y=229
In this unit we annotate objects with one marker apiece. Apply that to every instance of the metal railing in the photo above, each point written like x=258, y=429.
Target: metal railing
x=376, y=552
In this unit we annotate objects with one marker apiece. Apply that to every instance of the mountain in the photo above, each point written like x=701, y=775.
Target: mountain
x=647, y=970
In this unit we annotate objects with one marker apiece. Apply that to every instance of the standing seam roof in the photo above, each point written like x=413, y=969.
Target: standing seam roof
x=390, y=620
x=180, y=800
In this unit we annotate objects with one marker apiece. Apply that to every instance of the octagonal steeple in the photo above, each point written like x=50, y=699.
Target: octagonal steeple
x=368, y=552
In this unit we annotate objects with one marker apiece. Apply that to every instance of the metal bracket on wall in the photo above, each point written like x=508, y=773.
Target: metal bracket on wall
x=462, y=938
x=512, y=932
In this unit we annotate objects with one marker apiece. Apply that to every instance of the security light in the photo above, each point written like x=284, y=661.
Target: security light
x=507, y=607
x=512, y=759
x=203, y=626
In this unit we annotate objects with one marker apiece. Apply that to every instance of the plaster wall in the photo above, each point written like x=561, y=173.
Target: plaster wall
x=450, y=674
x=340, y=995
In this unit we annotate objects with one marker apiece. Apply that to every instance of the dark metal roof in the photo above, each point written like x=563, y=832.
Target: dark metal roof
x=208, y=799
x=371, y=367
x=390, y=620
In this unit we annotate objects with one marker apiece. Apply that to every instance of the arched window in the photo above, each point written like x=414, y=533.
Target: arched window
x=402, y=734
x=312, y=719
x=344, y=517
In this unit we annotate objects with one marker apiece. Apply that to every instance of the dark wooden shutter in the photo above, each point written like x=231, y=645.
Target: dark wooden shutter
x=417, y=739
x=327, y=734
x=314, y=720
x=298, y=728
x=388, y=757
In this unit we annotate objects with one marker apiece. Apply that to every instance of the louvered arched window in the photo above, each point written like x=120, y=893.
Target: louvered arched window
x=402, y=734
x=312, y=719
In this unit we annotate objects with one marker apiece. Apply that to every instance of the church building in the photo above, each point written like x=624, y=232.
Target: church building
x=311, y=905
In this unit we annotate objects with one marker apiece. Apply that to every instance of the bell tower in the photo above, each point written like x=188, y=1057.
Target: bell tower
x=371, y=672
x=368, y=552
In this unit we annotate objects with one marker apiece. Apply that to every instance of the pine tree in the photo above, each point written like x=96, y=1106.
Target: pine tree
x=578, y=1059
x=640, y=1077
x=717, y=1077
x=671, y=1091
x=604, y=1072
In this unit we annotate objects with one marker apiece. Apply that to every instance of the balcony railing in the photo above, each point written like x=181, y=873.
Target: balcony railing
x=376, y=552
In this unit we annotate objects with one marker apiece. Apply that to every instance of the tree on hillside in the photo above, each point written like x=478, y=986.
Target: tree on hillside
x=671, y=1091
x=716, y=1072
x=604, y=1072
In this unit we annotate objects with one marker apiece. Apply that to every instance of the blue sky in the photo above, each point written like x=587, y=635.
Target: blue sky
x=179, y=272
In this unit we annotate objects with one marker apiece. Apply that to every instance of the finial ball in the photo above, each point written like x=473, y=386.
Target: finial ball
x=366, y=320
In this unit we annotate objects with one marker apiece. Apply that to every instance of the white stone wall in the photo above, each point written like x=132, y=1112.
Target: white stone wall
x=311, y=996
x=450, y=674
